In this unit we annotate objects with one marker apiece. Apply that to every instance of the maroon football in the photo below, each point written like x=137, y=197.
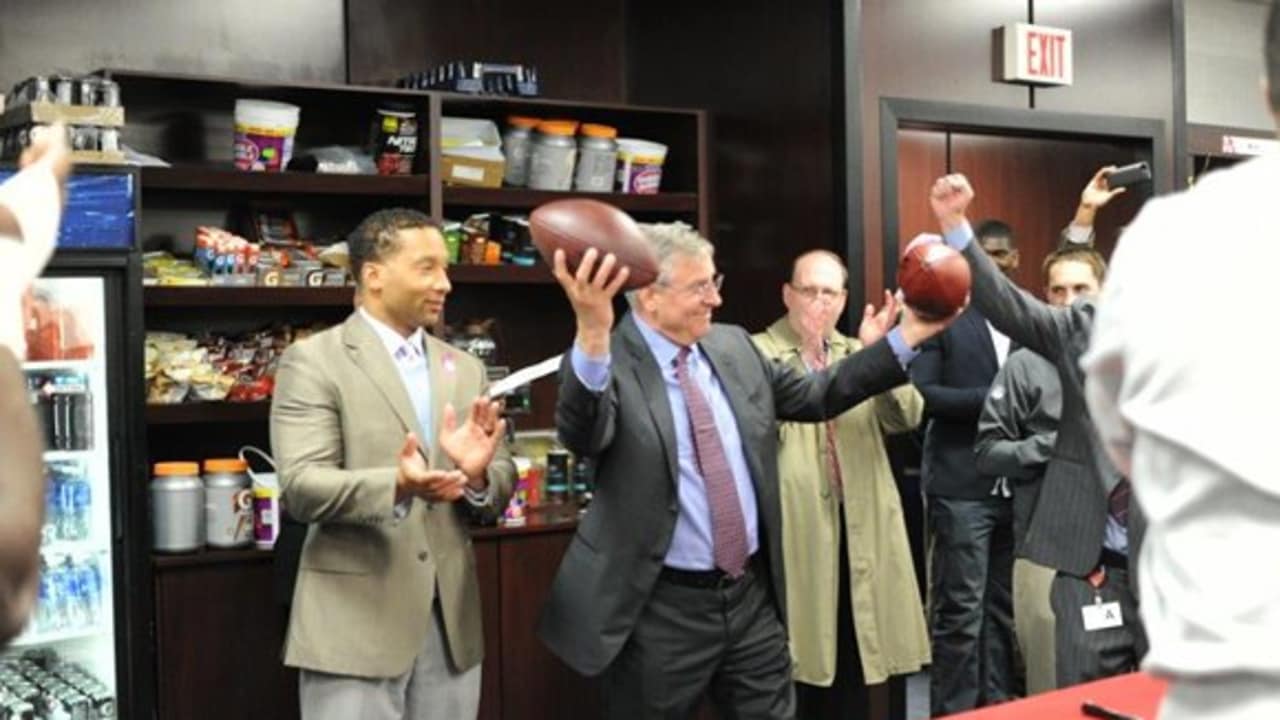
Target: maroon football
x=934, y=278
x=578, y=224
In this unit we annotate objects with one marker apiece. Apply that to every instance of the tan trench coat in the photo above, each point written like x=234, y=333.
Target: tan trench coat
x=887, y=613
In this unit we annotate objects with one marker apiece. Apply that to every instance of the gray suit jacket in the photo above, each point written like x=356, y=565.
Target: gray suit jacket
x=1068, y=535
x=366, y=580
x=1018, y=429
x=612, y=562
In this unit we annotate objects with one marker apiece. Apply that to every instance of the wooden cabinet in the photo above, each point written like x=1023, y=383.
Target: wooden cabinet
x=219, y=636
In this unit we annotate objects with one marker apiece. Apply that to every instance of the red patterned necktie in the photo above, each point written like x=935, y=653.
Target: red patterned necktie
x=728, y=530
x=1118, y=502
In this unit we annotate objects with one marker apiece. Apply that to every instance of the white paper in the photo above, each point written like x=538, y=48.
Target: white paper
x=524, y=376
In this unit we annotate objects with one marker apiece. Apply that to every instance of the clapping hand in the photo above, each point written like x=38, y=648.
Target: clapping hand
x=877, y=323
x=415, y=479
x=472, y=444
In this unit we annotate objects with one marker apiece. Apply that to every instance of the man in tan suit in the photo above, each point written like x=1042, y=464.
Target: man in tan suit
x=386, y=620
x=844, y=543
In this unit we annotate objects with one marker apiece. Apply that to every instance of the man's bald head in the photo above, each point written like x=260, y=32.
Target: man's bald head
x=809, y=261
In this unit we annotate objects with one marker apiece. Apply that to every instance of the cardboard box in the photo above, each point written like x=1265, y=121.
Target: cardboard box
x=46, y=112
x=471, y=153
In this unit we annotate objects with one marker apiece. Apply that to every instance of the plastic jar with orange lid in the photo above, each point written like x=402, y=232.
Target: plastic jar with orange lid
x=228, y=503
x=517, y=143
x=177, y=507
x=597, y=158
x=554, y=152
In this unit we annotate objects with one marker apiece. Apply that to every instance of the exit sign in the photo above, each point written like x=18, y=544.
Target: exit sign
x=1036, y=54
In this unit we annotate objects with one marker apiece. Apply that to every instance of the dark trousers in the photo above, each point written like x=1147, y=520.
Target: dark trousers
x=972, y=602
x=727, y=641
x=1083, y=655
x=847, y=697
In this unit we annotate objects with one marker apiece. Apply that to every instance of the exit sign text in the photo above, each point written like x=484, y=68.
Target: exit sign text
x=1036, y=54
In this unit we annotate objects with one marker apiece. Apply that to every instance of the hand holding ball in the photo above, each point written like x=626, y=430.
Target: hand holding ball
x=578, y=224
x=934, y=278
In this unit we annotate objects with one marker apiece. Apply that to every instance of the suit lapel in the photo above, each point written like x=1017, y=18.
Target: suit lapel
x=370, y=355
x=649, y=375
x=443, y=369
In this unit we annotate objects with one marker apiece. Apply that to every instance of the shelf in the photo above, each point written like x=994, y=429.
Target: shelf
x=77, y=548
x=59, y=455
x=127, y=77
x=519, y=198
x=538, y=274
x=58, y=636
x=210, y=556
x=207, y=295
x=227, y=179
x=208, y=412
x=76, y=365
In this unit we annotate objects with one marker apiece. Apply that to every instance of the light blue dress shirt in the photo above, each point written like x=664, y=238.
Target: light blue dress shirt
x=691, y=545
x=409, y=355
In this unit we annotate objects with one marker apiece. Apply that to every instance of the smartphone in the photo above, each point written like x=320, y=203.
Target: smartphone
x=1138, y=172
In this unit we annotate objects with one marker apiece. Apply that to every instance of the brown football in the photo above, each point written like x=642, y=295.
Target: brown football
x=577, y=224
x=933, y=277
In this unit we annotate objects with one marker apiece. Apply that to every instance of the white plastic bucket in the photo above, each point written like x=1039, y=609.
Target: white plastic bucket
x=264, y=134
x=266, y=500
x=640, y=166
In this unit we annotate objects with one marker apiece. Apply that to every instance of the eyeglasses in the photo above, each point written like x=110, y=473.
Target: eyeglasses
x=814, y=292
x=700, y=289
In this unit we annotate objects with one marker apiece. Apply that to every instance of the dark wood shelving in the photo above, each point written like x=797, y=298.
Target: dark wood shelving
x=212, y=556
x=210, y=296
x=518, y=198
x=208, y=412
x=167, y=79
x=204, y=296
x=538, y=274
x=229, y=179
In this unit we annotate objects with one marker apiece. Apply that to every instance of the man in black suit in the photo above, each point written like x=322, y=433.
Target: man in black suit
x=1084, y=526
x=673, y=583
x=970, y=515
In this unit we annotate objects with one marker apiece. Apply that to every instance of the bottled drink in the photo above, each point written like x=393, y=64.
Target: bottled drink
x=46, y=600
x=81, y=497
x=90, y=595
x=52, y=490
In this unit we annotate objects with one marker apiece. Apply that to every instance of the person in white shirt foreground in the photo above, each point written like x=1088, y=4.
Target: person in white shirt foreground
x=1190, y=424
x=30, y=208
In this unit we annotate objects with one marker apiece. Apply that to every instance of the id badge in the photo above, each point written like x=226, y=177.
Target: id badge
x=1102, y=616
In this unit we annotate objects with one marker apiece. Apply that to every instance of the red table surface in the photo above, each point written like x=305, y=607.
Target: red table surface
x=1136, y=694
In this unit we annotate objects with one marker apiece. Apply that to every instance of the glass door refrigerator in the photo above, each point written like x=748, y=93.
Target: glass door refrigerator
x=81, y=653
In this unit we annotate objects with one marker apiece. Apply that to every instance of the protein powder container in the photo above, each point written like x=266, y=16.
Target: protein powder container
x=597, y=158
x=228, y=503
x=517, y=144
x=177, y=507
x=554, y=150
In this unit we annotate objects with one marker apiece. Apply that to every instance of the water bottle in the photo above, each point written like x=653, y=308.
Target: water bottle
x=46, y=619
x=66, y=506
x=91, y=595
x=71, y=605
x=54, y=606
x=52, y=490
x=81, y=497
